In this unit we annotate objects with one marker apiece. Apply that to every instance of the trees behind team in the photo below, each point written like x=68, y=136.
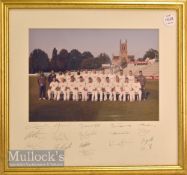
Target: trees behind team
x=64, y=60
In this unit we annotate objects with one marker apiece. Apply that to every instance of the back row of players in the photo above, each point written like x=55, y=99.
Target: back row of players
x=96, y=86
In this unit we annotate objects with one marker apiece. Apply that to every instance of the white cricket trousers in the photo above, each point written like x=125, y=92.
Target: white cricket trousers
x=139, y=93
x=110, y=95
x=64, y=95
x=130, y=96
x=50, y=92
x=114, y=95
x=84, y=95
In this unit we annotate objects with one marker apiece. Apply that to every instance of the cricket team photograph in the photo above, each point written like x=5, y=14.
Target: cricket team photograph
x=79, y=75
x=92, y=85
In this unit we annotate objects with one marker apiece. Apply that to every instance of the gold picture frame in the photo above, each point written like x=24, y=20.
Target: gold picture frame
x=181, y=8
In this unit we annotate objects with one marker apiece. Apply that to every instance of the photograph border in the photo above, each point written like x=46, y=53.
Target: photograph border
x=181, y=8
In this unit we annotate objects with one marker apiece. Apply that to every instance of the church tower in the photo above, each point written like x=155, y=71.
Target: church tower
x=123, y=52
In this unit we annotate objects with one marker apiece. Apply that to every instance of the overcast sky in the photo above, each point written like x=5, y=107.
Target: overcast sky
x=94, y=40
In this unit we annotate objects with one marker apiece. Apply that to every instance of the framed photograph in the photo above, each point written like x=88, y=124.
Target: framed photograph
x=93, y=87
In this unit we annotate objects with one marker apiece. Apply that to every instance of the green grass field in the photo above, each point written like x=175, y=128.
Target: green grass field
x=44, y=110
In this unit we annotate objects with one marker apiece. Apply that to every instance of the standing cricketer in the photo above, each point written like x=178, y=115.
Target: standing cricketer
x=141, y=78
x=42, y=86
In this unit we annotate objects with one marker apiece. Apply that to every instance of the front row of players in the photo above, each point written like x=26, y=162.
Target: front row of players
x=81, y=90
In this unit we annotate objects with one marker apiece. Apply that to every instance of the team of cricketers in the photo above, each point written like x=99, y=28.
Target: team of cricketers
x=95, y=86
